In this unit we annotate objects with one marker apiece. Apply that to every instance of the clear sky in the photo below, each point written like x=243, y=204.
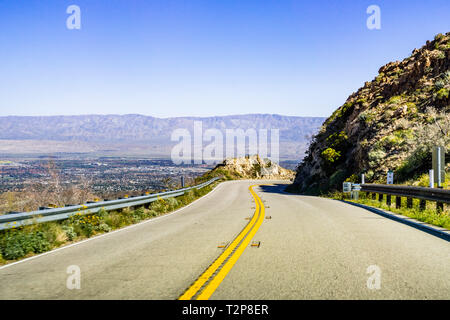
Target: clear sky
x=201, y=57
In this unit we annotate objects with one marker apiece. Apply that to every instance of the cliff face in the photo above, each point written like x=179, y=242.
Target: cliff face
x=389, y=123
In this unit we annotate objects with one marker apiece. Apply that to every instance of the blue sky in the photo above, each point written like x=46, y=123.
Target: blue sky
x=201, y=57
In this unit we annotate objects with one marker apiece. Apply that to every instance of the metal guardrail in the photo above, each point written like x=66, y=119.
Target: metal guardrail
x=15, y=220
x=428, y=194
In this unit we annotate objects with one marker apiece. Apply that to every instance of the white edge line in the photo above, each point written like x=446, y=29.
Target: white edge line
x=405, y=220
x=112, y=232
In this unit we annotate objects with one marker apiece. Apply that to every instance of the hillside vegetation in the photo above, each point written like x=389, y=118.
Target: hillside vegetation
x=392, y=122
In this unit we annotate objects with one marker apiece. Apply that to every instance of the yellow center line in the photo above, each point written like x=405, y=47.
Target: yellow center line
x=215, y=282
x=248, y=233
x=196, y=286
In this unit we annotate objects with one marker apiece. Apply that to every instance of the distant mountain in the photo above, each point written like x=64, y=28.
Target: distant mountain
x=138, y=130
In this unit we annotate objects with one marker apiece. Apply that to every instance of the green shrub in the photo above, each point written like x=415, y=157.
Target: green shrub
x=367, y=116
x=439, y=84
x=330, y=155
x=416, y=163
x=440, y=54
x=197, y=193
x=392, y=140
x=152, y=213
x=379, y=77
x=102, y=213
x=17, y=244
x=404, y=133
x=337, y=139
x=84, y=224
x=256, y=169
x=171, y=203
x=139, y=212
x=340, y=112
x=394, y=100
x=159, y=205
x=70, y=232
x=186, y=198
x=337, y=195
x=369, y=174
x=442, y=93
x=337, y=178
x=54, y=232
x=412, y=108
x=424, y=180
x=375, y=156
x=103, y=227
x=397, y=139
x=353, y=178
x=12, y=251
x=113, y=220
x=439, y=37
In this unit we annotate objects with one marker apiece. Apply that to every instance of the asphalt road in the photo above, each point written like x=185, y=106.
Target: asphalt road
x=311, y=248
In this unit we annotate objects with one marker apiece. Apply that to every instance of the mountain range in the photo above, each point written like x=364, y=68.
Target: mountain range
x=139, y=134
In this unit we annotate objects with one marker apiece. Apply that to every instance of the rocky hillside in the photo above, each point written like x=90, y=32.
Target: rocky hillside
x=250, y=167
x=389, y=123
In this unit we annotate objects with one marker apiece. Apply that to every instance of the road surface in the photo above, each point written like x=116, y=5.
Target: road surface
x=310, y=248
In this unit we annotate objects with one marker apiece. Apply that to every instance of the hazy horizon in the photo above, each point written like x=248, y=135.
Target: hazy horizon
x=156, y=117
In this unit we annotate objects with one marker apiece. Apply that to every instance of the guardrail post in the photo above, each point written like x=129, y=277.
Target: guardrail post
x=409, y=202
x=439, y=197
x=398, y=202
x=423, y=204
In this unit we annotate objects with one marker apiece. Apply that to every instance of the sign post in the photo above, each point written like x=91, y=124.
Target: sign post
x=355, y=191
x=439, y=165
x=390, y=177
x=346, y=187
x=431, y=175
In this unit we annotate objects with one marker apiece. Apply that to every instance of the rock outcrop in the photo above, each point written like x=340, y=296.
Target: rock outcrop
x=251, y=167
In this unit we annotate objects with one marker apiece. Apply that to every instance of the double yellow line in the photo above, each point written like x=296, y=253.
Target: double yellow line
x=207, y=283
